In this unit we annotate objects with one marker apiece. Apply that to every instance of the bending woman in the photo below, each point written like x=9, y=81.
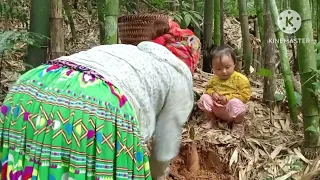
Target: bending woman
x=90, y=114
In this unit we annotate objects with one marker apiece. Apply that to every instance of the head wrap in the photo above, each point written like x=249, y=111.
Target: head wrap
x=182, y=43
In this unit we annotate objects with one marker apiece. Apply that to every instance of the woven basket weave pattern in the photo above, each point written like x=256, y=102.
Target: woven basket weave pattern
x=133, y=29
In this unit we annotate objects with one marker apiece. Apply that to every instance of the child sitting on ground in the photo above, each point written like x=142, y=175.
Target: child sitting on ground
x=226, y=93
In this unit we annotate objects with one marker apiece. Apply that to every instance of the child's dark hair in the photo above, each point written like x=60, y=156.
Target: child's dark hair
x=217, y=52
x=158, y=28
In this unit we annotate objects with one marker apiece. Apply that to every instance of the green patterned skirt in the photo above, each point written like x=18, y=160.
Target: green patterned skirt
x=63, y=123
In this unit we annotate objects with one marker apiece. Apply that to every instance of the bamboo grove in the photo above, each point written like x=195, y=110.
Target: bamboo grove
x=47, y=18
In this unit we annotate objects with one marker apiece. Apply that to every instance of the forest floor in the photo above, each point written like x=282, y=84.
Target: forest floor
x=270, y=149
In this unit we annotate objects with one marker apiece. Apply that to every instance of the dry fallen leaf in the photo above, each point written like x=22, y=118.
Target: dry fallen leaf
x=234, y=157
x=286, y=176
x=298, y=153
x=276, y=151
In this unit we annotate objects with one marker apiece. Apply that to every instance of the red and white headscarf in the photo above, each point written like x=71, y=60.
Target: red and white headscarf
x=182, y=43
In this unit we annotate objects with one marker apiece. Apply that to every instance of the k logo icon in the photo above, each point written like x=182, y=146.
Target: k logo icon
x=289, y=21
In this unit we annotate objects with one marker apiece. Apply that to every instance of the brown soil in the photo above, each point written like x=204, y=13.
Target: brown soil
x=211, y=167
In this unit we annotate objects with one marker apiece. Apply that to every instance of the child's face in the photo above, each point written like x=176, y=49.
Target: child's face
x=223, y=68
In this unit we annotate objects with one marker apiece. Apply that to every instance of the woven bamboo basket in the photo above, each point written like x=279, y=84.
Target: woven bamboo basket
x=133, y=28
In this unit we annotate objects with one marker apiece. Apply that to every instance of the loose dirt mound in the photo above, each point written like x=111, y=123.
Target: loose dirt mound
x=211, y=165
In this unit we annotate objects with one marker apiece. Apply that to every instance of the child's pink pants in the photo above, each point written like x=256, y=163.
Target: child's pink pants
x=233, y=110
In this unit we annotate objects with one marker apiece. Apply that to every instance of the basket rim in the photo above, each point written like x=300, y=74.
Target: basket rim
x=133, y=27
x=143, y=17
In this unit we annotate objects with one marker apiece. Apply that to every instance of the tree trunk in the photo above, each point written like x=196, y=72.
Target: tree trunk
x=39, y=24
x=285, y=65
x=307, y=62
x=207, y=34
x=221, y=23
x=259, y=11
x=247, y=49
x=217, y=24
x=56, y=29
x=102, y=32
x=269, y=56
x=67, y=9
x=111, y=13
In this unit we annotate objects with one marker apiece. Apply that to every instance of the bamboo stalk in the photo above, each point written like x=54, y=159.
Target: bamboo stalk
x=56, y=29
x=102, y=33
x=207, y=34
x=269, y=58
x=67, y=9
x=247, y=49
x=307, y=62
x=39, y=24
x=318, y=21
x=111, y=13
x=285, y=65
x=217, y=23
x=259, y=11
x=221, y=23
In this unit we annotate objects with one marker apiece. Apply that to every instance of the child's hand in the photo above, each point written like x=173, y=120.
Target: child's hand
x=215, y=96
x=222, y=100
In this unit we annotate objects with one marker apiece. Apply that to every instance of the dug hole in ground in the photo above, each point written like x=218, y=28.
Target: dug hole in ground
x=199, y=161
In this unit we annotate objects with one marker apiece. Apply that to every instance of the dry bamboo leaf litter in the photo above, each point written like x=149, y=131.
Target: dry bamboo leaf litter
x=270, y=148
x=248, y=158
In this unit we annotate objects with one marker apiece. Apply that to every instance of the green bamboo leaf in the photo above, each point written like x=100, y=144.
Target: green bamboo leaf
x=311, y=128
x=197, y=15
x=316, y=85
x=279, y=97
x=178, y=18
x=318, y=46
x=187, y=19
x=195, y=22
x=196, y=96
x=298, y=98
x=264, y=72
x=5, y=38
x=185, y=5
x=297, y=165
x=312, y=90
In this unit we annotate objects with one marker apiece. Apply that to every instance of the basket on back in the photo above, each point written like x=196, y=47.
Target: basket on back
x=133, y=28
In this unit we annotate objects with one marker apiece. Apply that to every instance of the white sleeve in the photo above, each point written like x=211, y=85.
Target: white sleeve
x=167, y=136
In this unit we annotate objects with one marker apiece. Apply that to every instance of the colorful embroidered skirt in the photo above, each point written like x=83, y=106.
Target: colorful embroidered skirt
x=59, y=123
